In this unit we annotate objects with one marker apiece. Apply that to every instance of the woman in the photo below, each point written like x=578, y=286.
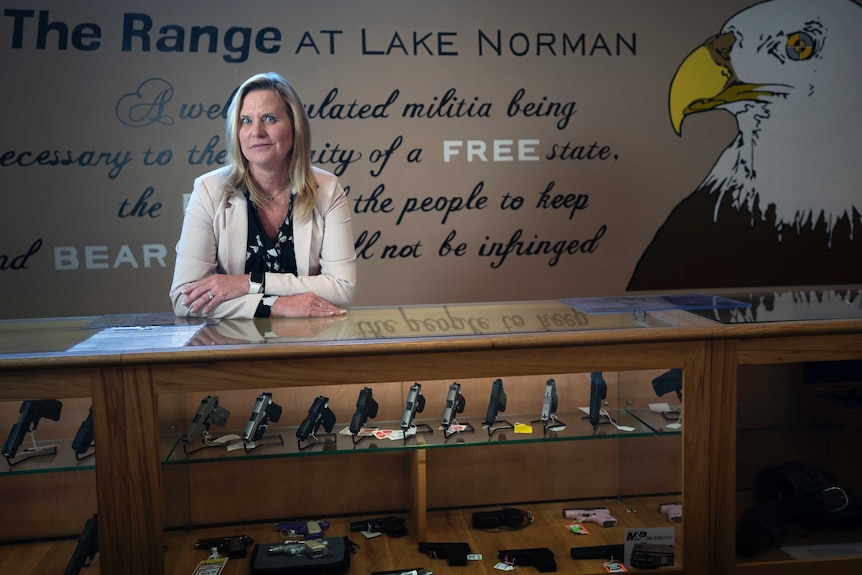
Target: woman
x=267, y=235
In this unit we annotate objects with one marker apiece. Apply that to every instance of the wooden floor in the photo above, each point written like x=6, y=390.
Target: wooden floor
x=385, y=553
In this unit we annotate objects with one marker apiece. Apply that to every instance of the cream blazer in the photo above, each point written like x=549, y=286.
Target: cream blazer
x=214, y=239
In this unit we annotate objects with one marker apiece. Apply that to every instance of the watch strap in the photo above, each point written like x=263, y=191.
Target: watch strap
x=256, y=282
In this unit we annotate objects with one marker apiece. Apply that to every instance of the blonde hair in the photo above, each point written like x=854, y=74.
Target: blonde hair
x=301, y=174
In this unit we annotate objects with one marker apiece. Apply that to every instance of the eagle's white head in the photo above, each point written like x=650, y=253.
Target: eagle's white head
x=788, y=71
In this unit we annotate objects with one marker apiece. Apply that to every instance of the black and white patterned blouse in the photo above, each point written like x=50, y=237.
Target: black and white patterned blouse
x=267, y=255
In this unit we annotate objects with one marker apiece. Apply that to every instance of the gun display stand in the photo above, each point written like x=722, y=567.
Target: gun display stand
x=91, y=451
x=550, y=424
x=208, y=443
x=604, y=419
x=425, y=428
x=673, y=415
x=467, y=429
x=319, y=439
x=503, y=424
x=31, y=452
x=264, y=439
x=354, y=436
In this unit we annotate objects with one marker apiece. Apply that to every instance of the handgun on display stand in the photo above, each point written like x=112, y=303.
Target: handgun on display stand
x=672, y=510
x=88, y=546
x=599, y=515
x=264, y=410
x=319, y=415
x=415, y=404
x=208, y=412
x=31, y=412
x=83, y=440
x=366, y=407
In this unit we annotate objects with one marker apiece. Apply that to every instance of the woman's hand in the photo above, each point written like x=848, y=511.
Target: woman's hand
x=304, y=305
x=204, y=295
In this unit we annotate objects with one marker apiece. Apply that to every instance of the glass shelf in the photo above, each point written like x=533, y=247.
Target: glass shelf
x=669, y=423
x=572, y=426
x=63, y=460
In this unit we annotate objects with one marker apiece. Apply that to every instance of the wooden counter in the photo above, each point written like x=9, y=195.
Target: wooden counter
x=403, y=345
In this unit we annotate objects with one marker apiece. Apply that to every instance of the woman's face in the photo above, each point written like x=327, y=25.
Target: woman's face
x=266, y=131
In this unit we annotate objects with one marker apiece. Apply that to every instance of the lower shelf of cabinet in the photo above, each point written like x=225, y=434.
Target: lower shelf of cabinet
x=385, y=553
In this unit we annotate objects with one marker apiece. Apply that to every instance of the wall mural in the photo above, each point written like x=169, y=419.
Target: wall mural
x=781, y=205
x=521, y=151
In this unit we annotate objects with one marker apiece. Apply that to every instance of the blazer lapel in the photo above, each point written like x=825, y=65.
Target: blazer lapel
x=236, y=234
x=302, y=243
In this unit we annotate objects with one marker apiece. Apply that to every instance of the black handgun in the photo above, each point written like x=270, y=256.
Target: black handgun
x=454, y=405
x=670, y=380
x=415, y=404
x=541, y=558
x=88, y=546
x=366, y=407
x=505, y=518
x=84, y=438
x=31, y=412
x=598, y=391
x=496, y=404
x=392, y=525
x=233, y=547
x=263, y=411
x=318, y=414
x=454, y=553
x=208, y=412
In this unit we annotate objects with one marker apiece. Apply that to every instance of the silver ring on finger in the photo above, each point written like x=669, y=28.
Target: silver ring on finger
x=210, y=295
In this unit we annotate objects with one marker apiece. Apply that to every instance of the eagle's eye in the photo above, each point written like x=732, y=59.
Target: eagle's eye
x=800, y=46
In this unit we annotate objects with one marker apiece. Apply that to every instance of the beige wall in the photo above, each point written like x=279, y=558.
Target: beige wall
x=73, y=242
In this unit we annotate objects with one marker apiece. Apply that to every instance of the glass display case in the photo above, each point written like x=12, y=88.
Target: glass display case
x=662, y=418
x=792, y=375
x=799, y=427
x=544, y=452
x=567, y=436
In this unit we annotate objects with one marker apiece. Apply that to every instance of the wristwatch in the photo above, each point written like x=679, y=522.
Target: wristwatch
x=255, y=282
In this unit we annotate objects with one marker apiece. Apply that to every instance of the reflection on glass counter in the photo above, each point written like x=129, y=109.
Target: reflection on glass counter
x=790, y=306
x=76, y=335
x=409, y=322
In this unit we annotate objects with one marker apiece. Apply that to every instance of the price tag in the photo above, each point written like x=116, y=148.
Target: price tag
x=212, y=566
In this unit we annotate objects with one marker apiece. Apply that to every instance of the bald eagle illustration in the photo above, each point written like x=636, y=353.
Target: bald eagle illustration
x=781, y=204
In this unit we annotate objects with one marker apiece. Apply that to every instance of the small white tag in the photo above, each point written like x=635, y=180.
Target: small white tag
x=504, y=566
x=240, y=445
x=225, y=439
x=371, y=534
x=605, y=413
x=673, y=425
x=659, y=407
x=474, y=557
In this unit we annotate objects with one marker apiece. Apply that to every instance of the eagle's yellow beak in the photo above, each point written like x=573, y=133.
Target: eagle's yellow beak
x=706, y=80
